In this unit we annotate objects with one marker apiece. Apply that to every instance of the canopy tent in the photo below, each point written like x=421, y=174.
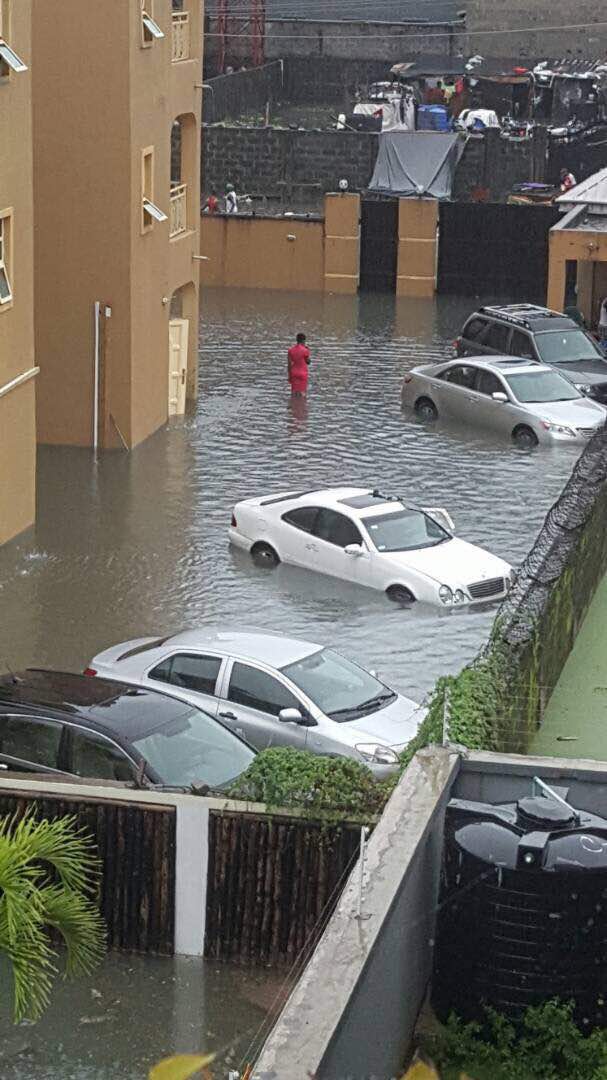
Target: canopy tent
x=417, y=163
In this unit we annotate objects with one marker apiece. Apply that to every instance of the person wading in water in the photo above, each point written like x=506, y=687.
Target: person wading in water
x=299, y=361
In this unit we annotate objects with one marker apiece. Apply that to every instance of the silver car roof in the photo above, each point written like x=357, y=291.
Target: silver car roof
x=502, y=365
x=264, y=646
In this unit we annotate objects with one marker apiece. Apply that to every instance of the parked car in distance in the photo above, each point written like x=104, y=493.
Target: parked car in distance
x=55, y=722
x=528, y=401
x=537, y=333
x=377, y=540
x=274, y=691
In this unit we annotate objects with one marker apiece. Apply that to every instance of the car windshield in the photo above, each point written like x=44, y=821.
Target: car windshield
x=405, y=530
x=566, y=346
x=342, y=690
x=536, y=386
x=194, y=749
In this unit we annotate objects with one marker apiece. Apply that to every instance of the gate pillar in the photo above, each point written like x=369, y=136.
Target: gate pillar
x=342, y=243
x=417, y=247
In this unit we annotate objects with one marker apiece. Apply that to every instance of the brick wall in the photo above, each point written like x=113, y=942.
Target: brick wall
x=529, y=18
x=262, y=160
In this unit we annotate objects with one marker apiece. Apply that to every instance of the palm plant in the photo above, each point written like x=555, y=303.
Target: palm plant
x=49, y=878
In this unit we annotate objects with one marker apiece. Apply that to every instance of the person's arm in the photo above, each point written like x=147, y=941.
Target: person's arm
x=307, y=357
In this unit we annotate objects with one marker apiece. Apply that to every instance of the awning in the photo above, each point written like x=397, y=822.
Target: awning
x=417, y=163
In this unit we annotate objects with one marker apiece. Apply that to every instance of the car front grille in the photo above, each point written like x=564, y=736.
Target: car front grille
x=588, y=432
x=483, y=590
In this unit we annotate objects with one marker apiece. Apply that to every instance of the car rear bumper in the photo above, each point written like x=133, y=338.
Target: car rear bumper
x=238, y=540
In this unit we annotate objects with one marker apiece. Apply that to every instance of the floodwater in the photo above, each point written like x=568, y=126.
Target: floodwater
x=133, y=1012
x=137, y=544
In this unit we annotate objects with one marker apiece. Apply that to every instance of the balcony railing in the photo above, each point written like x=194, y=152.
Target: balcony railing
x=178, y=220
x=181, y=36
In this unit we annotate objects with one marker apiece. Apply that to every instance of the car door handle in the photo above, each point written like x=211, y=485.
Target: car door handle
x=311, y=547
x=228, y=715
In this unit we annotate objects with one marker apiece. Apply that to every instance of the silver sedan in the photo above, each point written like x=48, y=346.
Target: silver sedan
x=530, y=402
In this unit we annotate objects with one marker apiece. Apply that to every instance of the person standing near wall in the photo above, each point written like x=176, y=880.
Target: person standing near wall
x=298, y=364
x=231, y=200
x=603, y=323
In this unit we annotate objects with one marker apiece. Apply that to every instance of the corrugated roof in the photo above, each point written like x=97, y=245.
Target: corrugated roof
x=591, y=193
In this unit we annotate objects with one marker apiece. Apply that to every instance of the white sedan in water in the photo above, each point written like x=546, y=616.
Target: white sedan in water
x=371, y=539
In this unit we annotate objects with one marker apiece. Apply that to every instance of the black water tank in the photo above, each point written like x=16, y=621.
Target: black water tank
x=522, y=911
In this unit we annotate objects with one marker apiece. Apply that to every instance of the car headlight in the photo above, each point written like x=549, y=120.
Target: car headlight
x=378, y=755
x=559, y=429
x=459, y=597
x=511, y=578
x=584, y=388
x=446, y=594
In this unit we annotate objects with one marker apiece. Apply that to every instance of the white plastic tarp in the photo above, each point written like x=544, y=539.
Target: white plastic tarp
x=417, y=163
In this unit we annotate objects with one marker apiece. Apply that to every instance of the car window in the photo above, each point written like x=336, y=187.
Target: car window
x=541, y=386
x=567, y=346
x=302, y=518
x=31, y=739
x=460, y=375
x=194, y=749
x=521, y=345
x=336, y=529
x=93, y=756
x=488, y=383
x=190, y=671
x=257, y=690
x=497, y=337
x=473, y=331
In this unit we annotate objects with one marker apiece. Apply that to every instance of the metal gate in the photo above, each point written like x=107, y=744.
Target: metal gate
x=492, y=248
x=378, y=244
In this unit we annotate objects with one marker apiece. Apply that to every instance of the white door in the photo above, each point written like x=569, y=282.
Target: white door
x=178, y=365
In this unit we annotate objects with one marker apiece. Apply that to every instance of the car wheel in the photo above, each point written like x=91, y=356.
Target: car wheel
x=400, y=594
x=426, y=409
x=525, y=437
x=264, y=555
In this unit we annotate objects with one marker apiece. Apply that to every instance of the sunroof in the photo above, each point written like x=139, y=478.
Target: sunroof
x=361, y=502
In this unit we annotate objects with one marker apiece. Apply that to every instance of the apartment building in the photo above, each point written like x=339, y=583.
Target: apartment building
x=116, y=104
x=17, y=365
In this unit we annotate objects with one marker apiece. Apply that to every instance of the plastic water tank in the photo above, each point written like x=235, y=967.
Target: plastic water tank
x=433, y=118
x=522, y=911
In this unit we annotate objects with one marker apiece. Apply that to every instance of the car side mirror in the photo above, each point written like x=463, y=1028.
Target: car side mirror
x=499, y=395
x=295, y=716
x=354, y=549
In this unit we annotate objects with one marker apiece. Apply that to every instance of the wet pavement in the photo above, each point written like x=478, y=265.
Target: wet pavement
x=133, y=1012
x=137, y=544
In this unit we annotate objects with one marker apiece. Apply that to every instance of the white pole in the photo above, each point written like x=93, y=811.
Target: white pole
x=96, y=378
x=364, y=832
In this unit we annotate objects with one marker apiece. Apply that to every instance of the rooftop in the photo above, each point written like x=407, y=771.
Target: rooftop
x=591, y=193
x=392, y=11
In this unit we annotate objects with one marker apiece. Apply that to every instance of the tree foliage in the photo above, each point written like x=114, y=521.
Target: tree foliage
x=48, y=882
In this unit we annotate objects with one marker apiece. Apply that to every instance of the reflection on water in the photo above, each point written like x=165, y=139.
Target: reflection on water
x=131, y=1013
x=137, y=544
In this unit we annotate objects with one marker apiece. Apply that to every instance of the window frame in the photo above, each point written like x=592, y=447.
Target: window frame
x=275, y=676
x=501, y=388
x=150, y=212
x=346, y=517
x=11, y=64
x=6, y=255
x=443, y=377
x=479, y=339
x=496, y=324
x=529, y=338
x=296, y=510
x=79, y=728
x=192, y=654
x=32, y=718
x=156, y=34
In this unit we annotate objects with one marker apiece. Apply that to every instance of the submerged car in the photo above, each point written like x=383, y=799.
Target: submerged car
x=537, y=333
x=56, y=722
x=377, y=540
x=274, y=690
x=529, y=402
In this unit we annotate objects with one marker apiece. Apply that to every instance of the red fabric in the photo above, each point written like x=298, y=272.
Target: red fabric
x=298, y=368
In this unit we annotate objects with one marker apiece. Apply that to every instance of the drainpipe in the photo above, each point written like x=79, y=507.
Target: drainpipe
x=96, y=376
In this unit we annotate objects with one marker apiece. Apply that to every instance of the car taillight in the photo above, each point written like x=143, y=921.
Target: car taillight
x=89, y=671
x=407, y=378
x=234, y=521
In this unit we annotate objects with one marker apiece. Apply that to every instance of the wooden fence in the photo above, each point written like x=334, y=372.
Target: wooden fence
x=272, y=883
x=136, y=845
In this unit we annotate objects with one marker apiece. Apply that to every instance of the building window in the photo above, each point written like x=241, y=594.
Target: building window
x=9, y=61
x=150, y=30
x=149, y=211
x=6, y=291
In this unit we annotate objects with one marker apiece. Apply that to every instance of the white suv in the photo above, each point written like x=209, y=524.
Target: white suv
x=377, y=540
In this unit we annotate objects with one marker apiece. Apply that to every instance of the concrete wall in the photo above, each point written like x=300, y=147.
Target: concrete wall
x=17, y=360
x=529, y=19
x=89, y=133
x=284, y=253
x=353, y=1012
x=276, y=161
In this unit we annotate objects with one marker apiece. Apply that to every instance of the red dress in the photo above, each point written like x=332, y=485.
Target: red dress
x=299, y=356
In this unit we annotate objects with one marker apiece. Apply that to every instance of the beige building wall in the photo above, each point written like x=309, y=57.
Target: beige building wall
x=589, y=250
x=417, y=247
x=17, y=359
x=103, y=95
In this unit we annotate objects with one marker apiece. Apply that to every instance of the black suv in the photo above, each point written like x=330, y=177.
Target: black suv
x=536, y=333
x=54, y=722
